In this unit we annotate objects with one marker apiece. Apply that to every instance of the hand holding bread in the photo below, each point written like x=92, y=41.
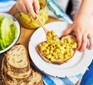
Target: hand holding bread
x=56, y=50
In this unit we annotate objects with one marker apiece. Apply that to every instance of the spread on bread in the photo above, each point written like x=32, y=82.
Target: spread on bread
x=57, y=50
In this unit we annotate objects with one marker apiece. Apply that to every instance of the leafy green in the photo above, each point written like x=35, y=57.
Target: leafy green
x=8, y=32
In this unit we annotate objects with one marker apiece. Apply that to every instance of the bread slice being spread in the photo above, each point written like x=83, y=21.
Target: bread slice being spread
x=56, y=50
x=17, y=59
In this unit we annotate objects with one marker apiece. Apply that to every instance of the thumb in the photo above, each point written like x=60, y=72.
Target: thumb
x=67, y=31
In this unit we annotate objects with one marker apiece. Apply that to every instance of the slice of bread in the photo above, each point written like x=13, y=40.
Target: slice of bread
x=17, y=59
x=60, y=53
x=16, y=68
x=34, y=79
x=14, y=75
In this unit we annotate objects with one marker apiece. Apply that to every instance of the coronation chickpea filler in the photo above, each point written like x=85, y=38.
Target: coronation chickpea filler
x=56, y=48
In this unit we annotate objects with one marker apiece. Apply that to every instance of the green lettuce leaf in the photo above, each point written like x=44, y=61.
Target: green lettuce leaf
x=8, y=32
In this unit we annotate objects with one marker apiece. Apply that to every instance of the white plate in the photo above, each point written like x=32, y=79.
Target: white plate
x=74, y=66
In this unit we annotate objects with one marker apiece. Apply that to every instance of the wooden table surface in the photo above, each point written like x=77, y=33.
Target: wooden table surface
x=24, y=37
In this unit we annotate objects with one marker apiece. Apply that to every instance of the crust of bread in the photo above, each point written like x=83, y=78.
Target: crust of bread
x=69, y=36
x=3, y=74
x=18, y=70
x=56, y=61
x=4, y=81
x=9, y=77
x=59, y=61
x=15, y=68
x=7, y=81
x=31, y=80
x=36, y=79
x=14, y=75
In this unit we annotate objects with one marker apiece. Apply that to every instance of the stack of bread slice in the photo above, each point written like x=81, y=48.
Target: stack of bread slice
x=16, y=68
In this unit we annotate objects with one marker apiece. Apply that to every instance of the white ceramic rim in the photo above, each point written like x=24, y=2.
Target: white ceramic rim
x=78, y=63
x=18, y=31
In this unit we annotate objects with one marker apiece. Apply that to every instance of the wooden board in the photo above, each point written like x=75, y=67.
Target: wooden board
x=24, y=37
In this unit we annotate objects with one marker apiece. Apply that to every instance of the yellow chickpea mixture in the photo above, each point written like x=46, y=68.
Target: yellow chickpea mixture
x=56, y=48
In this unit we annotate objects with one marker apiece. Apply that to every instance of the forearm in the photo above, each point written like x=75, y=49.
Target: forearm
x=86, y=7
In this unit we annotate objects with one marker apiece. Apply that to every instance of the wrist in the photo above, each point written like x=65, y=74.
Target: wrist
x=86, y=8
x=85, y=13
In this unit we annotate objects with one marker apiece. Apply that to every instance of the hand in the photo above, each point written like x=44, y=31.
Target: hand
x=83, y=29
x=28, y=6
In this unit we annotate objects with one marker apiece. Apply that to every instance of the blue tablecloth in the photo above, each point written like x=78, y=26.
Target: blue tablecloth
x=49, y=80
x=88, y=76
x=5, y=6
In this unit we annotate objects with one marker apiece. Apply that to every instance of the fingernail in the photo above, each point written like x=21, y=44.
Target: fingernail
x=34, y=17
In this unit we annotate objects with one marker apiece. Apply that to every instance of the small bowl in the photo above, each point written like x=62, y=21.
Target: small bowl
x=28, y=22
x=18, y=31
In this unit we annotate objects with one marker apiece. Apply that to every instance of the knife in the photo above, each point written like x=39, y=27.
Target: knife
x=56, y=9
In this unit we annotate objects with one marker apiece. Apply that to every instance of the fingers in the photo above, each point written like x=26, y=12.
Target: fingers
x=36, y=6
x=21, y=7
x=90, y=37
x=82, y=39
x=68, y=31
x=79, y=39
x=77, y=34
x=29, y=6
x=83, y=43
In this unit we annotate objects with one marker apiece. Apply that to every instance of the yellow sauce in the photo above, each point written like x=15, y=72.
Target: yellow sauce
x=54, y=48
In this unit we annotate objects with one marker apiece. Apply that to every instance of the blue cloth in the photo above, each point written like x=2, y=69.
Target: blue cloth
x=5, y=6
x=87, y=79
x=49, y=80
x=6, y=0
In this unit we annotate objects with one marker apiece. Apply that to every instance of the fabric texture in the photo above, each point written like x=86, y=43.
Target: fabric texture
x=6, y=5
x=76, y=6
x=87, y=79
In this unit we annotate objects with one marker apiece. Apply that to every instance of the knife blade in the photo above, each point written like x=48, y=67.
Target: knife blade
x=57, y=10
